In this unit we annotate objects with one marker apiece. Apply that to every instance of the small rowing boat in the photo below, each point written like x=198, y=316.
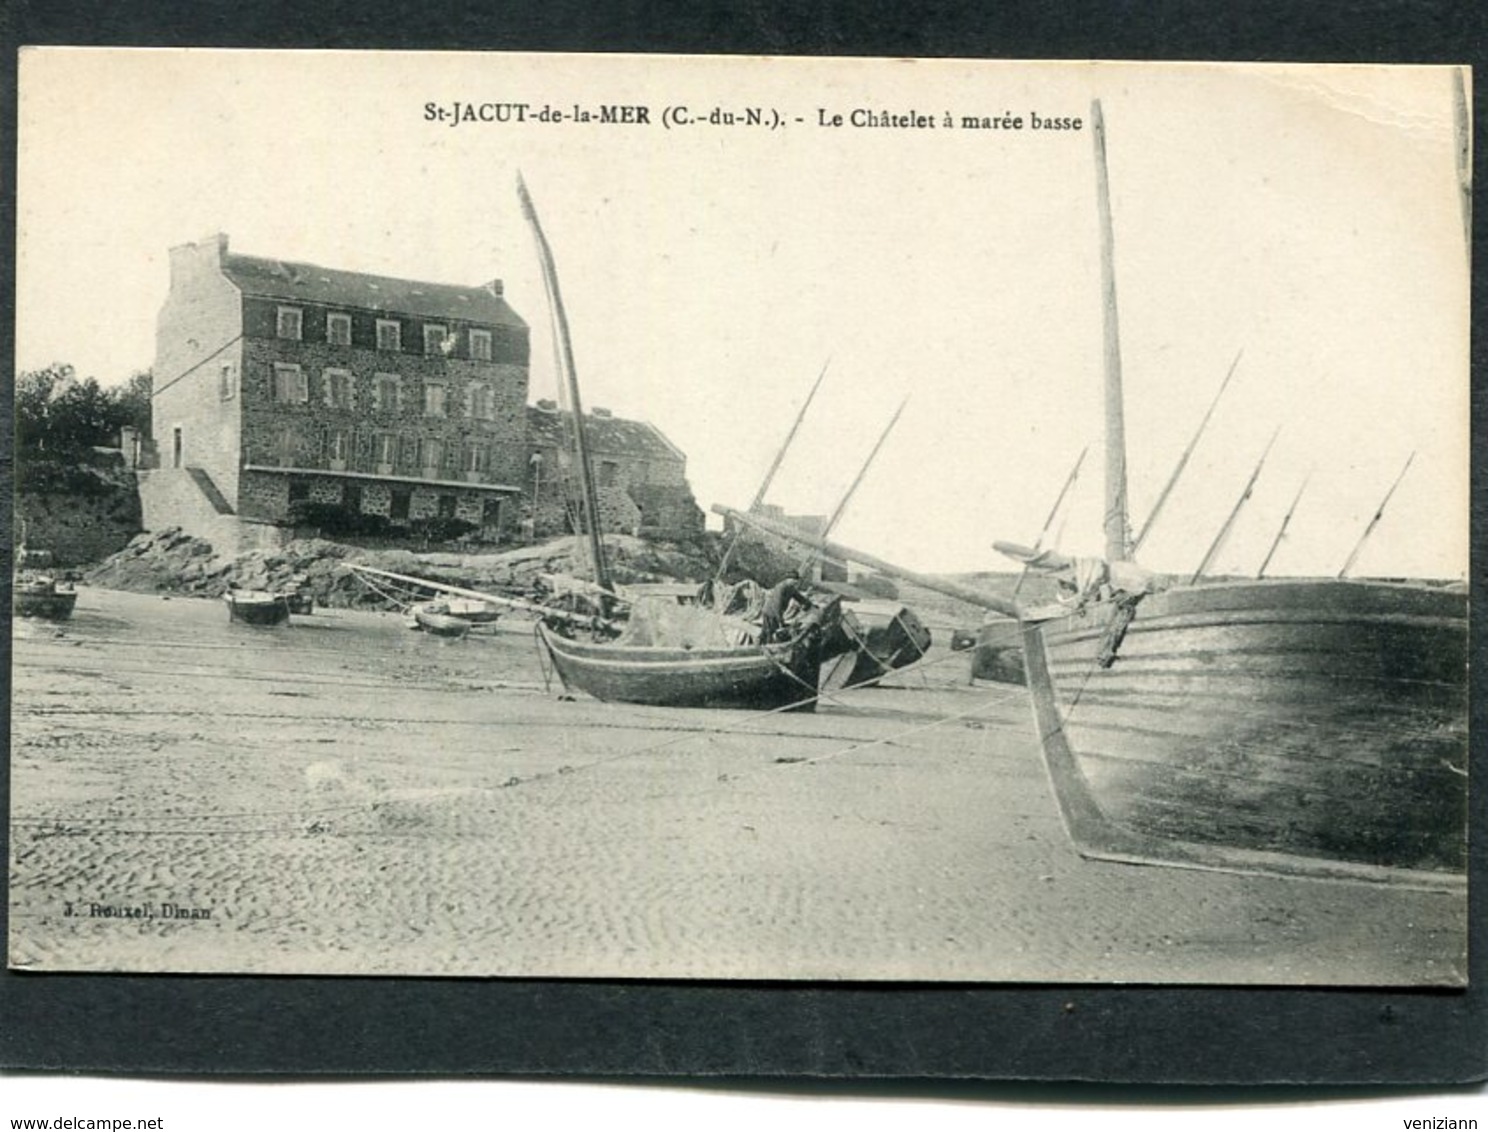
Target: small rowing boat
x=256, y=607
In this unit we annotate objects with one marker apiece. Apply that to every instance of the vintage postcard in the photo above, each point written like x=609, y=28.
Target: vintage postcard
x=740, y=518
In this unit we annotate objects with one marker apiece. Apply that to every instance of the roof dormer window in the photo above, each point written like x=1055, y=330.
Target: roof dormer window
x=436, y=340
x=480, y=345
x=389, y=335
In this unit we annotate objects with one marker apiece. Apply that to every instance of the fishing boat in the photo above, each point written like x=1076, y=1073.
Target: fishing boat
x=36, y=591
x=1297, y=726
x=667, y=652
x=690, y=656
x=1300, y=727
x=256, y=607
x=437, y=617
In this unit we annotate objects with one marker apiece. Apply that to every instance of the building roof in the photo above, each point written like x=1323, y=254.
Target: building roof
x=606, y=435
x=309, y=283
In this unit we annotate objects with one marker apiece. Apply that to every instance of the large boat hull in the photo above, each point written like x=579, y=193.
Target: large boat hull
x=1300, y=727
x=779, y=676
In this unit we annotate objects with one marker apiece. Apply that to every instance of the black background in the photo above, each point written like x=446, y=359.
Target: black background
x=923, y=1037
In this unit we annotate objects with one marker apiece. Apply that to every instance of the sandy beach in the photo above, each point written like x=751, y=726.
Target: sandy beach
x=343, y=795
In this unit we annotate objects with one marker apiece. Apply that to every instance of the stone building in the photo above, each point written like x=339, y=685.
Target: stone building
x=285, y=389
x=640, y=476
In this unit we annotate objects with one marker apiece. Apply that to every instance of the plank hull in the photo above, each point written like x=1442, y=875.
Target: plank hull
x=257, y=609
x=884, y=639
x=748, y=677
x=1303, y=727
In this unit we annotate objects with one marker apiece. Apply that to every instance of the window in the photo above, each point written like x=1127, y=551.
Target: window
x=480, y=345
x=408, y=448
x=477, y=456
x=431, y=455
x=338, y=445
x=608, y=472
x=482, y=403
x=290, y=385
x=340, y=389
x=434, y=396
x=385, y=449
x=385, y=388
x=338, y=329
x=290, y=319
x=447, y=506
x=389, y=334
x=227, y=386
x=435, y=340
x=299, y=490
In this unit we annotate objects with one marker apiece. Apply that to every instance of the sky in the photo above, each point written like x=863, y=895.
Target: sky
x=1306, y=219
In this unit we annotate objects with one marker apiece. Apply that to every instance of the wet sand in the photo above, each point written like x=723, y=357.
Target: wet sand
x=346, y=796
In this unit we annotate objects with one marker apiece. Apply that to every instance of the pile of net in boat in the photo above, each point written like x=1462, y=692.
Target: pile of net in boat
x=664, y=623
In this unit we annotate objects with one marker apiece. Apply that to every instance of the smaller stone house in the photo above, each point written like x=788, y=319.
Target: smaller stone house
x=640, y=476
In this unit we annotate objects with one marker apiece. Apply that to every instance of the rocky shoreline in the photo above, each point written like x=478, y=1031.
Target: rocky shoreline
x=175, y=562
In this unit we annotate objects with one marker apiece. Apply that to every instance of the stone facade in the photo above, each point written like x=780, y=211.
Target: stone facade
x=640, y=475
x=280, y=384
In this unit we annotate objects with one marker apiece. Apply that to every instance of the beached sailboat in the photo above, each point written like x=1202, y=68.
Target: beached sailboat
x=1304, y=727
x=667, y=654
x=1301, y=726
x=693, y=656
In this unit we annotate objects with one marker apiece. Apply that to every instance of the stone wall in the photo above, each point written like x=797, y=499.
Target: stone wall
x=198, y=365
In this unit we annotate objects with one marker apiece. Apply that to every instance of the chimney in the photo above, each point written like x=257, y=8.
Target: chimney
x=191, y=261
x=547, y=406
x=495, y=287
x=597, y=412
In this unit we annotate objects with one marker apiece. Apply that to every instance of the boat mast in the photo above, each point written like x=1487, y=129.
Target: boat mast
x=566, y=362
x=1183, y=460
x=863, y=471
x=841, y=507
x=759, y=496
x=1374, y=522
x=1229, y=524
x=1118, y=535
x=1280, y=534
